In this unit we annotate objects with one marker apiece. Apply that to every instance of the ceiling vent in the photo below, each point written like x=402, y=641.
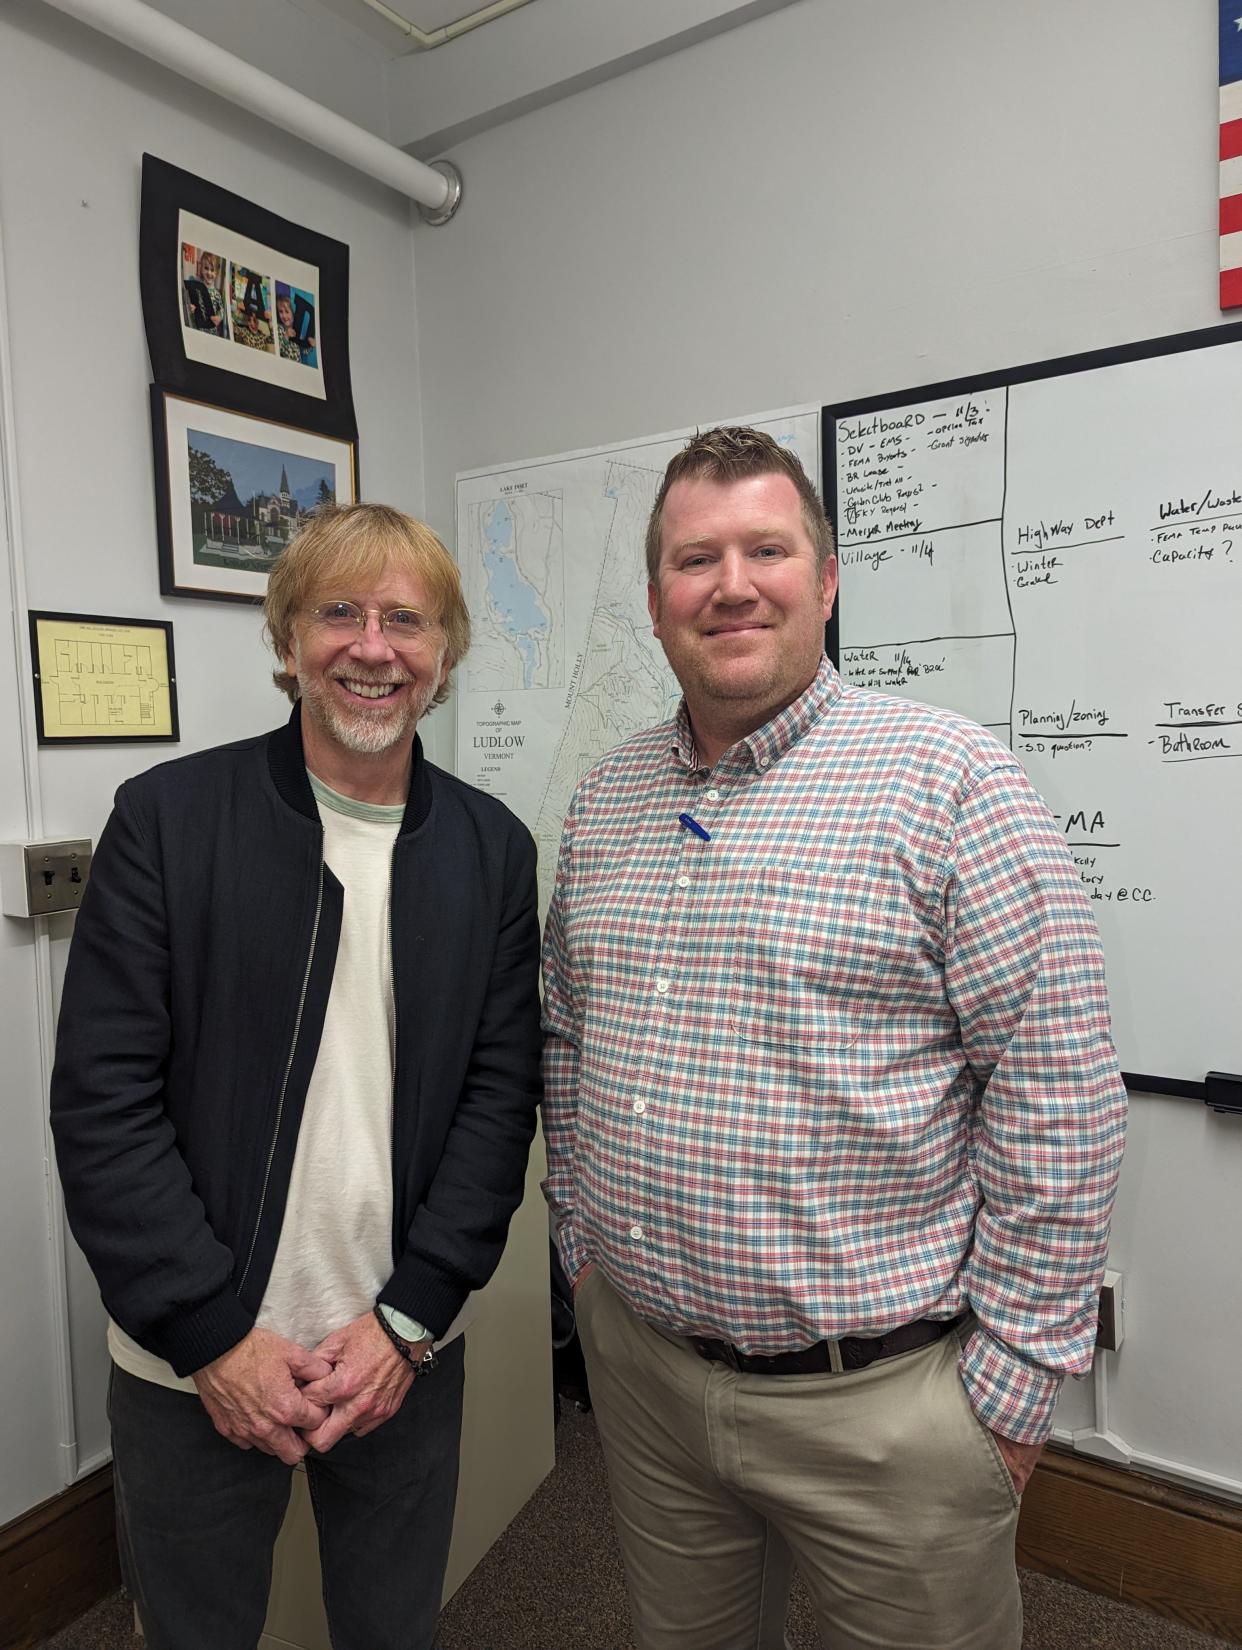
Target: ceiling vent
x=436, y=22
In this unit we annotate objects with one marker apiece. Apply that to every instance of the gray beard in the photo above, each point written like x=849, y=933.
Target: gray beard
x=357, y=731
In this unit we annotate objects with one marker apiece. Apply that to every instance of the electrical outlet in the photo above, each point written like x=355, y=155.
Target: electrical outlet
x=1112, y=1330
x=38, y=878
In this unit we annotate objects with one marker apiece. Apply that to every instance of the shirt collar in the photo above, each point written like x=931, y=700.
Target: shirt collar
x=770, y=742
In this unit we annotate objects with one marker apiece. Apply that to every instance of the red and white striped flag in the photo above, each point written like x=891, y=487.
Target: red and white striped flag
x=1230, y=153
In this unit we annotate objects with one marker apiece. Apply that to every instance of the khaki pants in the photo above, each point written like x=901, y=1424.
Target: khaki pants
x=892, y=1499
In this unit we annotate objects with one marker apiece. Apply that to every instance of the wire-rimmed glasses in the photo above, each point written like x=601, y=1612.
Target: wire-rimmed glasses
x=403, y=627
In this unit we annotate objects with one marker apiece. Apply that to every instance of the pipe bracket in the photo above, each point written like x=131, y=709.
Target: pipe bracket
x=436, y=215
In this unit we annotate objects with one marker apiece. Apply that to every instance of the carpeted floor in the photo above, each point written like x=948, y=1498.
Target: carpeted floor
x=553, y=1582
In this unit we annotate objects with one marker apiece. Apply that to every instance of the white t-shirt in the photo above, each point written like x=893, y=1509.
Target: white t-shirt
x=335, y=1247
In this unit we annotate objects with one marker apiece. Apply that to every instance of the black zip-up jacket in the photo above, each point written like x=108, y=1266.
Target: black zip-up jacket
x=190, y=1021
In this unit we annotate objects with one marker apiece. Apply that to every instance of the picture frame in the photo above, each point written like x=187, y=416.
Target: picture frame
x=100, y=680
x=232, y=489
x=243, y=308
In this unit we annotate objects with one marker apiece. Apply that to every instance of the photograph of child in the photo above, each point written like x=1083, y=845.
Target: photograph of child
x=252, y=309
x=202, y=290
x=295, y=324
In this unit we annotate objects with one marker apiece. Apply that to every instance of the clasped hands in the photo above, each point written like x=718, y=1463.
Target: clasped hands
x=270, y=1394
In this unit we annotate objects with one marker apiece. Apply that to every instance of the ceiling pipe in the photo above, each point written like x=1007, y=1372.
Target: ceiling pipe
x=436, y=189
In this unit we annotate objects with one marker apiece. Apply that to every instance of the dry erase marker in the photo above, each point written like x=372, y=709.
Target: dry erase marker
x=692, y=824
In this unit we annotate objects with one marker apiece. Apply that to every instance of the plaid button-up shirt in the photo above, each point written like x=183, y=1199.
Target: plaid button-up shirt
x=848, y=1063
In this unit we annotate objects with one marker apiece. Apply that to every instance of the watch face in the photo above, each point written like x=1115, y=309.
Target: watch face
x=409, y=1329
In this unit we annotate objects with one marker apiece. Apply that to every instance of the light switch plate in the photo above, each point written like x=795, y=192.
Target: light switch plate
x=38, y=878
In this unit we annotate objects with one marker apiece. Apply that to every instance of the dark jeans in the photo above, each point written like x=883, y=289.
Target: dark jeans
x=197, y=1518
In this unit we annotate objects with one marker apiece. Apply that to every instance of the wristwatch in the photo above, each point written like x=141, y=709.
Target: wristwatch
x=406, y=1334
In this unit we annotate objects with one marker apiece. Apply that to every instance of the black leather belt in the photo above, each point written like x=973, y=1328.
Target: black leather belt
x=851, y=1352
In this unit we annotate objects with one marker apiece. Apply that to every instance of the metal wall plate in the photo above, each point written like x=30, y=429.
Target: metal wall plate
x=441, y=214
x=38, y=878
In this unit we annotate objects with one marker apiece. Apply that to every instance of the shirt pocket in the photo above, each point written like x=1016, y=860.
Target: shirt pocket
x=807, y=954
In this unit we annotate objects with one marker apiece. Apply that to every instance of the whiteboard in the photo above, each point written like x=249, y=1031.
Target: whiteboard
x=1056, y=552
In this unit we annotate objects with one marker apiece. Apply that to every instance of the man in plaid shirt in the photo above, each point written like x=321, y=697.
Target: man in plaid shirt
x=833, y=1114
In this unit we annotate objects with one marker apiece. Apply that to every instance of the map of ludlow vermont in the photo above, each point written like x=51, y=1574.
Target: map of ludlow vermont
x=564, y=665
x=513, y=558
x=622, y=680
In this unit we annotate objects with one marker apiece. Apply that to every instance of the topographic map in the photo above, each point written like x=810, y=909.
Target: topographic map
x=563, y=664
x=513, y=557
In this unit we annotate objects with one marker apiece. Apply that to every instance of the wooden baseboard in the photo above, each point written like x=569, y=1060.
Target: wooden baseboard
x=56, y=1561
x=1135, y=1538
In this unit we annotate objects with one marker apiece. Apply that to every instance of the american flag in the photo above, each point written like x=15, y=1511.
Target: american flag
x=1230, y=153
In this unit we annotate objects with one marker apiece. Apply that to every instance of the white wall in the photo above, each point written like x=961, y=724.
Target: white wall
x=535, y=56
x=839, y=199
x=76, y=113
x=30, y=1426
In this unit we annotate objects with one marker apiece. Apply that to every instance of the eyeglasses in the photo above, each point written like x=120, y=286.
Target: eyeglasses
x=403, y=627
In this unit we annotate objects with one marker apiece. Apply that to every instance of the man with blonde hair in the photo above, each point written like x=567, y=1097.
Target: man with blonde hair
x=295, y=1087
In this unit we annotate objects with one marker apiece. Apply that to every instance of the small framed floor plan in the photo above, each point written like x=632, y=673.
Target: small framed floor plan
x=101, y=679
